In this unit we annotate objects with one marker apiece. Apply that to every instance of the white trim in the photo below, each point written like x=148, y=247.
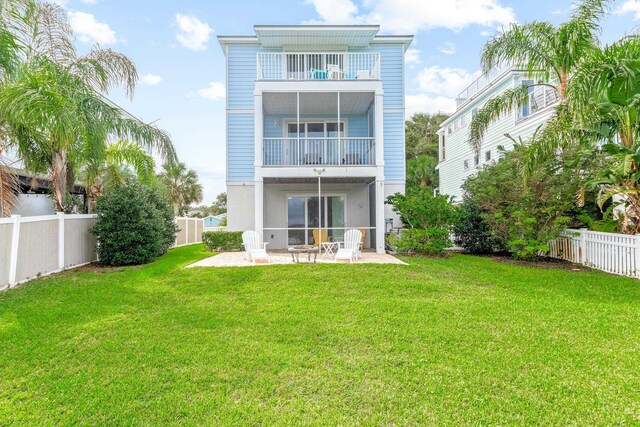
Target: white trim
x=286, y=122
x=330, y=171
x=319, y=85
x=240, y=110
x=394, y=110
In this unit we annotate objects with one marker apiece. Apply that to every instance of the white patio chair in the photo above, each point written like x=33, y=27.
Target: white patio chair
x=253, y=249
x=350, y=246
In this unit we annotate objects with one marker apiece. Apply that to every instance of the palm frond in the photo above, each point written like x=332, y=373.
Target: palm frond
x=523, y=45
x=105, y=69
x=493, y=110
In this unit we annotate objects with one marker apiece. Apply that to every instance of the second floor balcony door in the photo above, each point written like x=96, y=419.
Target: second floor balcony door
x=314, y=143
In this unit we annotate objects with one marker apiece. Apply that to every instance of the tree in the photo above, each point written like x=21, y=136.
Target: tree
x=549, y=54
x=421, y=171
x=421, y=136
x=182, y=186
x=219, y=207
x=114, y=168
x=52, y=107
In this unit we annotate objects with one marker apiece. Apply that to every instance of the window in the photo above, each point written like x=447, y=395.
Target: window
x=526, y=108
x=449, y=130
x=443, y=155
x=474, y=112
x=476, y=160
x=487, y=156
x=466, y=165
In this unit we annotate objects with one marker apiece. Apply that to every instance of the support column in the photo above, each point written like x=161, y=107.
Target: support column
x=258, y=187
x=258, y=184
x=379, y=138
x=380, y=217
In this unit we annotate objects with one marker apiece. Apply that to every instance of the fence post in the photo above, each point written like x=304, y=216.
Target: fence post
x=637, y=256
x=15, y=240
x=60, y=240
x=583, y=246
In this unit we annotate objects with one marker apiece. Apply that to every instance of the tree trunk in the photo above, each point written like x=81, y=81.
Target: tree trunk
x=562, y=90
x=59, y=179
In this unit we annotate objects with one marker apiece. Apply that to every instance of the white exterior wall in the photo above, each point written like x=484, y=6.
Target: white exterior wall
x=275, y=207
x=391, y=188
x=457, y=148
x=240, y=206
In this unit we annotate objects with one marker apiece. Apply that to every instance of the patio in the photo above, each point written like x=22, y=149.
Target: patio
x=236, y=259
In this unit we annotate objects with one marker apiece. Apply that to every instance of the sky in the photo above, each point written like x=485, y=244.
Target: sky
x=181, y=64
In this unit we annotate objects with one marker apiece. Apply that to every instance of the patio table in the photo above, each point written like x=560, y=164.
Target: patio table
x=304, y=249
x=330, y=248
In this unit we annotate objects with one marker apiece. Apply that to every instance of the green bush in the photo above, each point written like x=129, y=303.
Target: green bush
x=134, y=225
x=427, y=218
x=471, y=229
x=431, y=241
x=222, y=241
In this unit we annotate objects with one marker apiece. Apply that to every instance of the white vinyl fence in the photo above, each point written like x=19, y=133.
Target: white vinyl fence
x=610, y=252
x=190, y=231
x=40, y=245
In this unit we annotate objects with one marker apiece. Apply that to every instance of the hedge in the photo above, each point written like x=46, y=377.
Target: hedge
x=222, y=241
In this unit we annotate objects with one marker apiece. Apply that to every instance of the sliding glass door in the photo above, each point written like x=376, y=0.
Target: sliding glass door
x=303, y=213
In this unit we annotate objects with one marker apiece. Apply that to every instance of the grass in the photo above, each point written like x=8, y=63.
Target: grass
x=465, y=340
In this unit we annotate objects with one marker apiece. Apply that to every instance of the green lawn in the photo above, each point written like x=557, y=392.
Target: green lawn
x=447, y=341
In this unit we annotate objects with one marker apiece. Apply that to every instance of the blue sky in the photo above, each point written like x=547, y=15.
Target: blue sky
x=181, y=65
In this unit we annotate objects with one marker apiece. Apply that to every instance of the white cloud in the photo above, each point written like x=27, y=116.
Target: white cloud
x=334, y=11
x=88, y=30
x=445, y=81
x=192, y=33
x=428, y=104
x=630, y=6
x=213, y=92
x=412, y=56
x=448, y=48
x=411, y=16
x=150, y=79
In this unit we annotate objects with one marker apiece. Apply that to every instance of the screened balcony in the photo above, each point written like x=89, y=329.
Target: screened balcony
x=318, y=66
x=318, y=128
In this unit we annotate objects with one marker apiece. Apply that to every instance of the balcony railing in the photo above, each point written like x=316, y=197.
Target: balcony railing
x=539, y=98
x=319, y=151
x=479, y=84
x=318, y=66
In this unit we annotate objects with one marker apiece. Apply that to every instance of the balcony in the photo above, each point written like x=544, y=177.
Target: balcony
x=343, y=151
x=539, y=98
x=318, y=66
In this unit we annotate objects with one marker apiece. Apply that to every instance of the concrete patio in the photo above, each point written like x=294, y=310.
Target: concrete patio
x=236, y=259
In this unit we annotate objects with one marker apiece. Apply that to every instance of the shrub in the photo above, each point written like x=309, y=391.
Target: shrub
x=471, y=229
x=133, y=225
x=428, y=219
x=222, y=241
x=431, y=241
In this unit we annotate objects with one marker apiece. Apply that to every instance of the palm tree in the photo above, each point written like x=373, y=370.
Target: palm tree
x=182, y=186
x=549, y=54
x=53, y=107
x=421, y=171
x=121, y=161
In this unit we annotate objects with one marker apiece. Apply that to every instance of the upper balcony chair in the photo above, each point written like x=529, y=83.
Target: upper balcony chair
x=349, y=249
x=253, y=249
x=320, y=236
x=316, y=74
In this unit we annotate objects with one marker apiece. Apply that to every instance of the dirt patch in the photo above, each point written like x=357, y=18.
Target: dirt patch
x=98, y=268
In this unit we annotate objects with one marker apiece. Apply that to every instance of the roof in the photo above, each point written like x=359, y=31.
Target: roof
x=278, y=36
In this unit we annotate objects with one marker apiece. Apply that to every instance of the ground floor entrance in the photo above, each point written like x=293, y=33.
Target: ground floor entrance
x=303, y=212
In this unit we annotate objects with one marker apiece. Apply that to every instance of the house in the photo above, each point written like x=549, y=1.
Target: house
x=314, y=109
x=213, y=220
x=458, y=160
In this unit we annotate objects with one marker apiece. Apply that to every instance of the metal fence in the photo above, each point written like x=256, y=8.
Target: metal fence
x=319, y=151
x=318, y=66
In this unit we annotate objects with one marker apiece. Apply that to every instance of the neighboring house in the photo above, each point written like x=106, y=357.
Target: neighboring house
x=35, y=199
x=213, y=220
x=458, y=161
x=308, y=101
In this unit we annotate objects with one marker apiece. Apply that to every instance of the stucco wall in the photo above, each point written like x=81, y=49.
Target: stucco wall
x=240, y=207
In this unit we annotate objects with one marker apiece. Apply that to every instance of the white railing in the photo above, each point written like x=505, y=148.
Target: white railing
x=35, y=246
x=319, y=151
x=190, y=231
x=539, y=98
x=479, y=84
x=610, y=252
x=318, y=66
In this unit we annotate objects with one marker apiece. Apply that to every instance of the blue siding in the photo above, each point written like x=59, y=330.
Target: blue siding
x=394, y=157
x=391, y=72
x=241, y=76
x=240, y=147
